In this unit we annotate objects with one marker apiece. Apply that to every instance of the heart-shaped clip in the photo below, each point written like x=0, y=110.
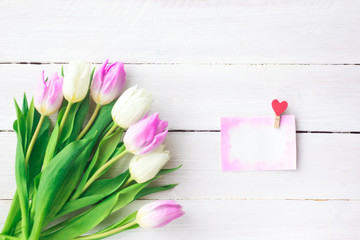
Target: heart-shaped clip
x=279, y=108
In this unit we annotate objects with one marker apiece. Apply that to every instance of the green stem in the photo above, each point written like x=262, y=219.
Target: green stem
x=63, y=120
x=13, y=217
x=110, y=131
x=108, y=233
x=91, y=121
x=24, y=222
x=127, y=182
x=33, y=139
x=35, y=233
x=14, y=209
x=9, y=237
x=24, y=216
x=101, y=169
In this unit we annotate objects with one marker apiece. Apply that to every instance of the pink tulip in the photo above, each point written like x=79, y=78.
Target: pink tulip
x=48, y=94
x=159, y=213
x=108, y=83
x=145, y=135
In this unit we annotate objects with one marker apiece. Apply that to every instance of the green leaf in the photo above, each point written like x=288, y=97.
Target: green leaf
x=127, y=195
x=51, y=146
x=53, y=143
x=101, y=122
x=85, y=222
x=8, y=237
x=79, y=118
x=107, y=186
x=29, y=123
x=96, y=192
x=121, y=223
x=69, y=124
x=92, y=217
x=119, y=149
x=14, y=213
x=165, y=171
x=22, y=186
x=92, y=75
x=62, y=71
x=150, y=190
x=102, y=154
x=20, y=124
x=25, y=105
x=35, y=188
x=57, y=182
x=55, y=140
x=38, y=152
x=37, y=116
x=106, y=149
x=128, y=228
x=76, y=174
x=13, y=217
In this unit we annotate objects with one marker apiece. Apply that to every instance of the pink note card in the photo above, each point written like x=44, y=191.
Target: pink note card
x=252, y=143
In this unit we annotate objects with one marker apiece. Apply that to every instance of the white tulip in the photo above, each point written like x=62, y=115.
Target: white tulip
x=76, y=81
x=145, y=167
x=131, y=106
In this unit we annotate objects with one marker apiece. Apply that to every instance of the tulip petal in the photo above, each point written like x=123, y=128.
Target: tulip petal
x=159, y=213
x=48, y=96
x=76, y=81
x=40, y=91
x=146, y=135
x=97, y=82
x=108, y=82
x=158, y=140
x=131, y=106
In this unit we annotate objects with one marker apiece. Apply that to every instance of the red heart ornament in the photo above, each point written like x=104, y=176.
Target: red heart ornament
x=278, y=107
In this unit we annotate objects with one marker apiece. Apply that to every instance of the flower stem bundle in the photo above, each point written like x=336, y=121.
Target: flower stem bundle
x=63, y=191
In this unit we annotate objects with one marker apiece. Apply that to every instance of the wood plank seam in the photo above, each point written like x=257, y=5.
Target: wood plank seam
x=203, y=63
x=217, y=131
x=242, y=199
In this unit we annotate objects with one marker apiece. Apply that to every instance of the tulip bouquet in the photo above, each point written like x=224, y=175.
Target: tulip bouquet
x=61, y=190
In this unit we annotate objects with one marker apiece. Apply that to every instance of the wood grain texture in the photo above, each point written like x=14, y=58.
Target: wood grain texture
x=249, y=220
x=305, y=31
x=328, y=168
x=194, y=97
x=203, y=60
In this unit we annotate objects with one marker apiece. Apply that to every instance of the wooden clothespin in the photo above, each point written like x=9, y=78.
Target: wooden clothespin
x=279, y=108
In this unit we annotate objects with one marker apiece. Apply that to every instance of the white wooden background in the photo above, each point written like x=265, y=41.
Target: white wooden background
x=203, y=60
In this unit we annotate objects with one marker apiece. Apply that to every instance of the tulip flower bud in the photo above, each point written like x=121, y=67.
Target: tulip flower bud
x=131, y=106
x=145, y=135
x=158, y=214
x=145, y=167
x=48, y=94
x=107, y=83
x=76, y=81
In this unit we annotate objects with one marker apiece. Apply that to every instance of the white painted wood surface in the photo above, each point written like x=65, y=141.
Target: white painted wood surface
x=303, y=31
x=194, y=97
x=327, y=169
x=203, y=60
x=252, y=220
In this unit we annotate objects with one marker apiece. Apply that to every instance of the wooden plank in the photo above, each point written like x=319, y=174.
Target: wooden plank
x=328, y=168
x=255, y=220
x=306, y=31
x=323, y=98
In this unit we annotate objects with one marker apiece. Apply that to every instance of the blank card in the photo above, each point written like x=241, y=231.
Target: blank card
x=252, y=143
